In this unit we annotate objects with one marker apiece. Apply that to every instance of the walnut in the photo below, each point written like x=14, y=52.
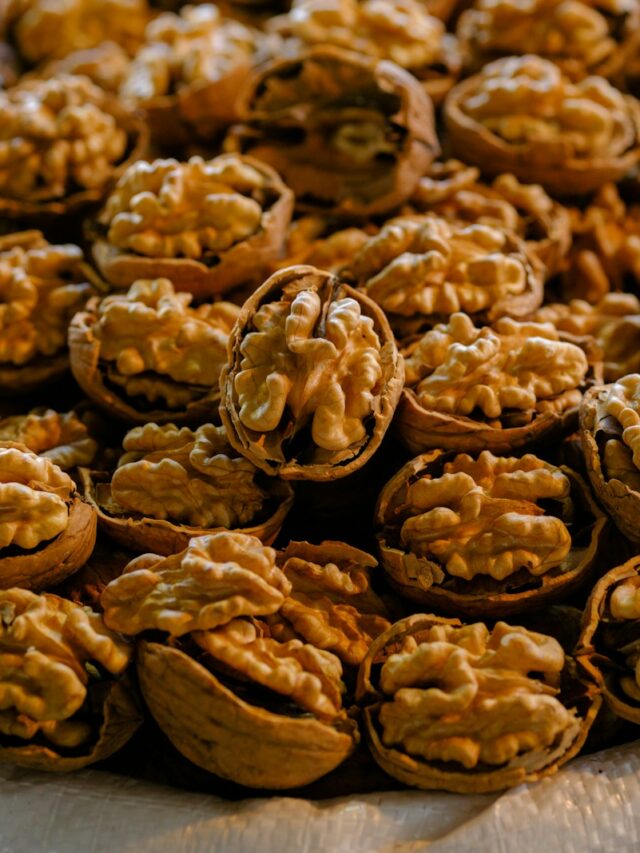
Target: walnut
x=207, y=225
x=56, y=136
x=309, y=676
x=521, y=115
x=41, y=287
x=52, y=29
x=614, y=323
x=402, y=31
x=348, y=133
x=452, y=191
x=581, y=38
x=148, y=344
x=309, y=357
x=49, y=648
x=421, y=267
x=331, y=604
x=317, y=241
x=487, y=534
x=215, y=579
x=105, y=65
x=62, y=438
x=469, y=709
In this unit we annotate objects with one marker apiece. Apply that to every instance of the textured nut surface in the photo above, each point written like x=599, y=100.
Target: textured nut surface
x=622, y=403
x=482, y=705
x=60, y=437
x=527, y=100
x=41, y=288
x=34, y=496
x=426, y=265
x=308, y=675
x=45, y=642
x=168, y=209
x=187, y=476
x=55, y=137
x=193, y=46
x=460, y=369
x=155, y=344
x=625, y=599
x=482, y=517
x=215, y=579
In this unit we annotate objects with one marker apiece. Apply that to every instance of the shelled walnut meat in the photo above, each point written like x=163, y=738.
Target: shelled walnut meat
x=46, y=530
x=470, y=709
x=349, y=134
x=488, y=535
x=499, y=387
x=522, y=115
x=173, y=483
x=63, y=141
x=313, y=377
x=41, y=288
x=63, y=702
x=147, y=355
x=61, y=437
x=419, y=269
x=232, y=698
x=322, y=242
x=187, y=72
x=402, y=31
x=610, y=433
x=453, y=191
x=208, y=225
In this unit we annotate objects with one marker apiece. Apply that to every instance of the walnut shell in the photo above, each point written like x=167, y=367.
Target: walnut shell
x=483, y=595
x=446, y=775
x=161, y=536
x=620, y=500
x=121, y=717
x=355, y=87
x=245, y=262
x=574, y=176
x=217, y=730
x=599, y=662
x=272, y=456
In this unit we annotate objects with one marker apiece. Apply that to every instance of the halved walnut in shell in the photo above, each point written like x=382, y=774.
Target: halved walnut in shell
x=420, y=269
x=46, y=530
x=401, y=31
x=63, y=143
x=349, y=134
x=41, y=288
x=62, y=437
x=499, y=388
x=609, y=645
x=146, y=355
x=313, y=377
x=468, y=709
x=488, y=536
x=610, y=433
x=453, y=191
x=208, y=225
x=175, y=483
x=64, y=696
x=521, y=115
x=229, y=696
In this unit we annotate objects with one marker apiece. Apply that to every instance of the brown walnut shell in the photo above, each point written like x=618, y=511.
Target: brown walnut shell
x=161, y=536
x=620, y=500
x=252, y=444
x=422, y=429
x=346, y=88
x=591, y=653
x=90, y=374
x=475, y=144
x=247, y=262
x=484, y=596
x=217, y=730
x=121, y=717
x=75, y=202
x=53, y=561
x=438, y=775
